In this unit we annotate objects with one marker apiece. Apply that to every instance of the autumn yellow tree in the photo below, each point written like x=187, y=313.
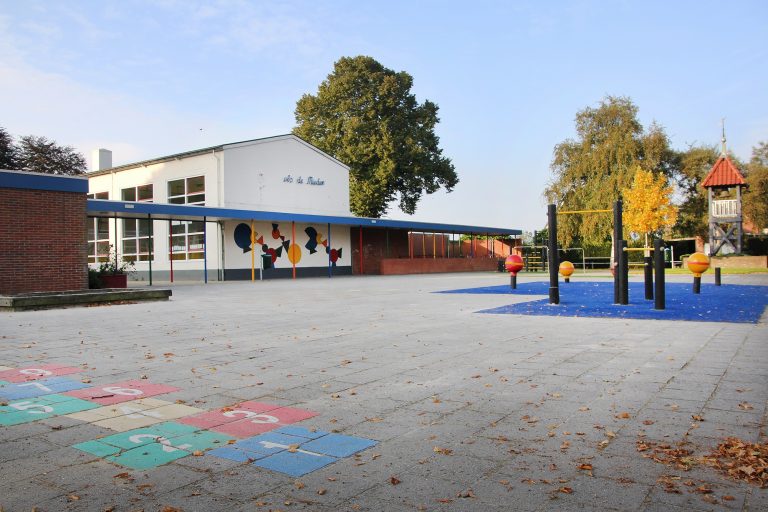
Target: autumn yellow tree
x=647, y=204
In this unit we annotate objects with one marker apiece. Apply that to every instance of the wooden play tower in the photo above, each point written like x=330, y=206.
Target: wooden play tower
x=724, y=185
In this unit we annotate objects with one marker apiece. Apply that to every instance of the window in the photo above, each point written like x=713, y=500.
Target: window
x=187, y=239
x=187, y=191
x=136, y=232
x=98, y=234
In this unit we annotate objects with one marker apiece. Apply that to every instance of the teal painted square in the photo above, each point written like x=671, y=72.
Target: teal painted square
x=294, y=463
x=97, y=448
x=142, y=436
x=18, y=417
x=301, y=432
x=148, y=456
x=202, y=440
x=34, y=409
x=338, y=445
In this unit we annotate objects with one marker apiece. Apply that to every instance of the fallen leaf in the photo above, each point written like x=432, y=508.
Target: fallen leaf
x=583, y=409
x=566, y=490
x=322, y=492
x=197, y=453
x=394, y=480
x=745, y=406
x=728, y=497
x=444, y=500
x=444, y=451
x=466, y=494
x=73, y=497
x=585, y=467
x=623, y=416
x=697, y=417
x=648, y=422
x=298, y=485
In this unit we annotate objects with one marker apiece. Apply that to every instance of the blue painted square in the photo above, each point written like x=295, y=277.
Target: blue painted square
x=338, y=445
x=294, y=463
x=41, y=387
x=301, y=432
x=268, y=443
x=236, y=454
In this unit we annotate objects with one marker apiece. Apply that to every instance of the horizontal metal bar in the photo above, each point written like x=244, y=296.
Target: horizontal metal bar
x=576, y=212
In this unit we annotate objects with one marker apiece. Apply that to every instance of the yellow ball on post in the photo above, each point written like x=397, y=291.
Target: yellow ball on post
x=698, y=263
x=566, y=269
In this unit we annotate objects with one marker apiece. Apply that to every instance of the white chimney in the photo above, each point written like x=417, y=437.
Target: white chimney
x=101, y=159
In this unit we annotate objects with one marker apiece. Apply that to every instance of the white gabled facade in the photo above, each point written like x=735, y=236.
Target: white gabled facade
x=279, y=174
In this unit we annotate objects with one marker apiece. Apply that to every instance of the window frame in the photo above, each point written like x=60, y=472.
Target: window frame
x=95, y=242
x=137, y=254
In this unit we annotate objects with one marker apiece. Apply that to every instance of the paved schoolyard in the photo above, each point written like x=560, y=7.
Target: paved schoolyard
x=371, y=393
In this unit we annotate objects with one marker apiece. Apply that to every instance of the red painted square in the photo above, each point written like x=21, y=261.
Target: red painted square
x=121, y=392
x=288, y=415
x=30, y=373
x=245, y=428
x=207, y=419
x=256, y=406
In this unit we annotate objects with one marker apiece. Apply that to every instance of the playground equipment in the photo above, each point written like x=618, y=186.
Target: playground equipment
x=513, y=264
x=620, y=257
x=566, y=269
x=698, y=263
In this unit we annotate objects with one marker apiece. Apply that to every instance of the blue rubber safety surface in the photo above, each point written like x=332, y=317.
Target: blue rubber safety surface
x=594, y=299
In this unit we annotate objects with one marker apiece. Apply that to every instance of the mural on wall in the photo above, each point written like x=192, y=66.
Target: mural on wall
x=243, y=237
x=243, y=240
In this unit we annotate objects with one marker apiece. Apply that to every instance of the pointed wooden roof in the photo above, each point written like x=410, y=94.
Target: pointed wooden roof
x=723, y=174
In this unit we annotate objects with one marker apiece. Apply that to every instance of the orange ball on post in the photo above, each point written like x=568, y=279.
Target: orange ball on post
x=566, y=270
x=513, y=264
x=698, y=263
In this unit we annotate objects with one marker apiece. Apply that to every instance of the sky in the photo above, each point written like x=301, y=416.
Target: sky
x=151, y=78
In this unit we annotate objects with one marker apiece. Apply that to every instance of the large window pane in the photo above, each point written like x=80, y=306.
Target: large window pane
x=143, y=228
x=129, y=228
x=129, y=194
x=176, y=188
x=196, y=185
x=144, y=193
x=195, y=226
x=102, y=228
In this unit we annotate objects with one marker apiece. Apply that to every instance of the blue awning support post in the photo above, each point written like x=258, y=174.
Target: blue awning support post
x=330, y=270
x=151, y=243
x=205, y=251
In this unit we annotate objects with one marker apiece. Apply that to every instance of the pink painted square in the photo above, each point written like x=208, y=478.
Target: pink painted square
x=121, y=392
x=208, y=419
x=288, y=415
x=245, y=428
x=37, y=372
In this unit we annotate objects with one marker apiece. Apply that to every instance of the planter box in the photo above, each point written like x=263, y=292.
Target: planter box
x=735, y=262
x=114, y=280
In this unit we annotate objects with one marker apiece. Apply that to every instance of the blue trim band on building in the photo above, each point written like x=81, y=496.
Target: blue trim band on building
x=38, y=181
x=126, y=209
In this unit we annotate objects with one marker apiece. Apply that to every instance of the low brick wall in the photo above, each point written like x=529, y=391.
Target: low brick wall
x=436, y=265
x=42, y=233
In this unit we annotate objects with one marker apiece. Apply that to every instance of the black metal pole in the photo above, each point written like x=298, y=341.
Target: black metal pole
x=658, y=260
x=554, y=291
x=513, y=281
x=717, y=276
x=150, y=242
x=624, y=258
x=696, y=284
x=617, y=235
x=648, y=269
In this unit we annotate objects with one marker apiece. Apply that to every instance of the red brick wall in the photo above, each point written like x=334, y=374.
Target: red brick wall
x=42, y=241
x=433, y=265
x=375, y=247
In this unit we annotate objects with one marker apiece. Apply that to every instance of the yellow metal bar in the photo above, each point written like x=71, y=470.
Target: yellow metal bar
x=253, y=253
x=638, y=249
x=577, y=212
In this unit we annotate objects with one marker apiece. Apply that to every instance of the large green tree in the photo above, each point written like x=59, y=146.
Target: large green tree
x=756, y=198
x=366, y=116
x=8, y=158
x=591, y=170
x=693, y=166
x=39, y=154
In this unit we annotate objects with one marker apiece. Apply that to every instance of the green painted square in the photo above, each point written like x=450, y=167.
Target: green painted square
x=143, y=436
x=171, y=429
x=148, y=456
x=39, y=408
x=19, y=417
x=203, y=440
x=97, y=448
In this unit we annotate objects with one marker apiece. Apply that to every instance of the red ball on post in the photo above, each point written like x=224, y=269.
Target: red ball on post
x=513, y=264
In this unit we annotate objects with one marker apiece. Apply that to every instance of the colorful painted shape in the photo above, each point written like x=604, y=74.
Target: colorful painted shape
x=338, y=445
x=135, y=414
x=160, y=444
x=294, y=464
x=122, y=392
x=257, y=411
x=17, y=391
x=294, y=451
x=251, y=423
x=37, y=372
x=294, y=254
x=35, y=409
